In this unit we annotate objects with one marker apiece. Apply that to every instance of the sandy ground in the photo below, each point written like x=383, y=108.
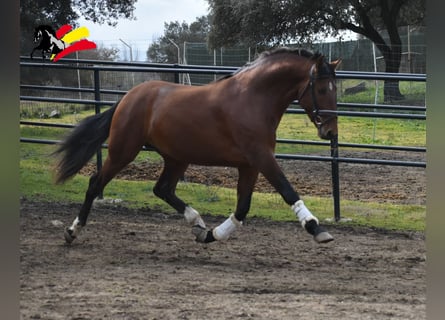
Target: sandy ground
x=145, y=264
x=390, y=184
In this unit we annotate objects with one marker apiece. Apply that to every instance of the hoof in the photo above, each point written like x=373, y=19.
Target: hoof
x=319, y=233
x=202, y=234
x=323, y=237
x=69, y=236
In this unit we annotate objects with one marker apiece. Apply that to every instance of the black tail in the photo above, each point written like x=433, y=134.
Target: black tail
x=82, y=143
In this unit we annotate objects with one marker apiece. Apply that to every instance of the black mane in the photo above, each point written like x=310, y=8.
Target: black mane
x=47, y=28
x=298, y=51
x=269, y=53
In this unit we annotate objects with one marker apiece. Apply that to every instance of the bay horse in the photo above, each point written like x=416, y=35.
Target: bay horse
x=229, y=122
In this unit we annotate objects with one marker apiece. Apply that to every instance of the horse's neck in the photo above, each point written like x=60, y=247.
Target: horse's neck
x=275, y=84
x=50, y=35
x=54, y=41
x=282, y=79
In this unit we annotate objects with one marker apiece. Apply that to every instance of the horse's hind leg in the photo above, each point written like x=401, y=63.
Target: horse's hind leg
x=165, y=189
x=97, y=183
x=166, y=184
x=94, y=189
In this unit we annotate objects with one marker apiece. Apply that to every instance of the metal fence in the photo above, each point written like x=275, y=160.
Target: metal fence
x=344, y=109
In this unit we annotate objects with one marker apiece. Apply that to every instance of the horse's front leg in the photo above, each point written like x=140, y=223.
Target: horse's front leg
x=272, y=172
x=34, y=50
x=246, y=181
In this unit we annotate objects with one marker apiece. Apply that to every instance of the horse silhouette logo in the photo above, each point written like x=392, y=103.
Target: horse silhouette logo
x=61, y=42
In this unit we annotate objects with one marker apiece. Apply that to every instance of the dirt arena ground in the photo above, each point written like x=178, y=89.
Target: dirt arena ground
x=144, y=264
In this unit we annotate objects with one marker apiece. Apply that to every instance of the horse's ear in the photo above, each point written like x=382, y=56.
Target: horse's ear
x=334, y=64
x=319, y=62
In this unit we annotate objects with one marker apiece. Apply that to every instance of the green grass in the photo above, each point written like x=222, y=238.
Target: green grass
x=351, y=129
x=359, y=130
x=414, y=92
x=37, y=183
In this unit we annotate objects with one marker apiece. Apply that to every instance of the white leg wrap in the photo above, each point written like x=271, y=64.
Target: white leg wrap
x=225, y=229
x=193, y=218
x=75, y=228
x=303, y=213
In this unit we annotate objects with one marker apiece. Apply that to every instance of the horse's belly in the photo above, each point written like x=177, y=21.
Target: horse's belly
x=215, y=153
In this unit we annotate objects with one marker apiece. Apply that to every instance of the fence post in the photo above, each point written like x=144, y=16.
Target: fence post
x=335, y=178
x=97, y=111
x=176, y=73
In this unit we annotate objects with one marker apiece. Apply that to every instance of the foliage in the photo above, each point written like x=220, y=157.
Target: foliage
x=269, y=22
x=67, y=77
x=58, y=13
x=100, y=53
x=164, y=49
x=105, y=11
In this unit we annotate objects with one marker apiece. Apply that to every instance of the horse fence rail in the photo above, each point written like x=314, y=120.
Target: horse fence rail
x=344, y=109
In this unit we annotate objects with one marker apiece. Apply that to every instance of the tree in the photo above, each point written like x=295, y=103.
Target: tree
x=270, y=22
x=168, y=48
x=58, y=13
x=101, y=53
x=68, y=77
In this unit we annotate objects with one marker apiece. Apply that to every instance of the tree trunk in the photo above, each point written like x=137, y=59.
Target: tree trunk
x=393, y=56
x=391, y=90
x=391, y=49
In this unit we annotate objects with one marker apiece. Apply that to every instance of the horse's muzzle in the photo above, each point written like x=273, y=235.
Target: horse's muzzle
x=327, y=129
x=326, y=134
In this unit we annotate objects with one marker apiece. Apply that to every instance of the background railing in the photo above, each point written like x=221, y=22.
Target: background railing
x=99, y=96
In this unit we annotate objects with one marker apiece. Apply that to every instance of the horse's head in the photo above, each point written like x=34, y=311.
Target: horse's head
x=37, y=35
x=319, y=96
x=39, y=32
